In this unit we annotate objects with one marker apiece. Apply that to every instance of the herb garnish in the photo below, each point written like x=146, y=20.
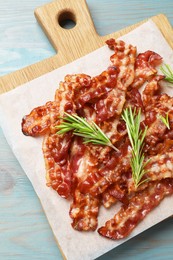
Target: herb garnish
x=90, y=132
x=168, y=72
x=165, y=120
x=136, y=137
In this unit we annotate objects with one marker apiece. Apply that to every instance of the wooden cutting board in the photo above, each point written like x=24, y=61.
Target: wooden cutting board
x=70, y=44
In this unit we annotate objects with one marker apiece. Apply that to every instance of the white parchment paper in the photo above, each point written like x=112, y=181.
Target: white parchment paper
x=20, y=101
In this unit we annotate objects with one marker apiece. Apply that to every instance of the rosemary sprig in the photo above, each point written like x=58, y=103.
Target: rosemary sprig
x=165, y=120
x=136, y=137
x=90, y=132
x=168, y=72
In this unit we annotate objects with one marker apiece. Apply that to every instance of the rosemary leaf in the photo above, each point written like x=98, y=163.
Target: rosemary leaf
x=90, y=132
x=168, y=72
x=136, y=137
x=165, y=120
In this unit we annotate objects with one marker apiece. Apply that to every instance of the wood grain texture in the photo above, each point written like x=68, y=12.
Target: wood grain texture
x=70, y=44
x=24, y=231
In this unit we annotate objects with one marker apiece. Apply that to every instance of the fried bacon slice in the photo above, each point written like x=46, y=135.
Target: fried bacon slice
x=121, y=225
x=151, y=90
x=99, y=86
x=160, y=166
x=84, y=211
x=115, y=192
x=84, y=207
x=156, y=105
x=40, y=119
x=56, y=147
x=58, y=173
x=99, y=180
x=107, y=199
x=123, y=59
x=145, y=67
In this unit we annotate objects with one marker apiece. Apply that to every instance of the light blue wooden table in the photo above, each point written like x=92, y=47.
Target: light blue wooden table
x=24, y=231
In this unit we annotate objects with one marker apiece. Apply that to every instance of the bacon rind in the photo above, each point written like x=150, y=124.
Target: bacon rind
x=122, y=224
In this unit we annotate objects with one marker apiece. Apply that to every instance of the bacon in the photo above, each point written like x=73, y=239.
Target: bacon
x=121, y=225
x=58, y=173
x=110, y=106
x=123, y=59
x=115, y=192
x=97, y=181
x=107, y=199
x=156, y=105
x=151, y=90
x=145, y=67
x=160, y=166
x=84, y=211
x=99, y=86
x=155, y=133
x=134, y=99
x=93, y=174
x=84, y=208
x=40, y=119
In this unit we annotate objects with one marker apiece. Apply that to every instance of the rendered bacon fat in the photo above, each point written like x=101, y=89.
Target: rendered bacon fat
x=94, y=175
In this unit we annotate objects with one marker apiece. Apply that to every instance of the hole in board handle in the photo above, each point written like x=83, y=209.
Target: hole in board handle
x=67, y=20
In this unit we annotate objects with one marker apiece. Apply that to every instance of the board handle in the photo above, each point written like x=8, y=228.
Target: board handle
x=69, y=43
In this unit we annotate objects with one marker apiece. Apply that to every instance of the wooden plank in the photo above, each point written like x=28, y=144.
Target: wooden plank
x=70, y=44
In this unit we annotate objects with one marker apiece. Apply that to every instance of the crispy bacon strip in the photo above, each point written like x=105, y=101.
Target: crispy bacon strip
x=160, y=166
x=99, y=86
x=123, y=59
x=155, y=105
x=139, y=206
x=151, y=90
x=85, y=207
x=56, y=147
x=84, y=211
x=97, y=181
x=107, y=199
x=145, y=67
x=56, y=155
x=40, y=119
x=115, y=192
